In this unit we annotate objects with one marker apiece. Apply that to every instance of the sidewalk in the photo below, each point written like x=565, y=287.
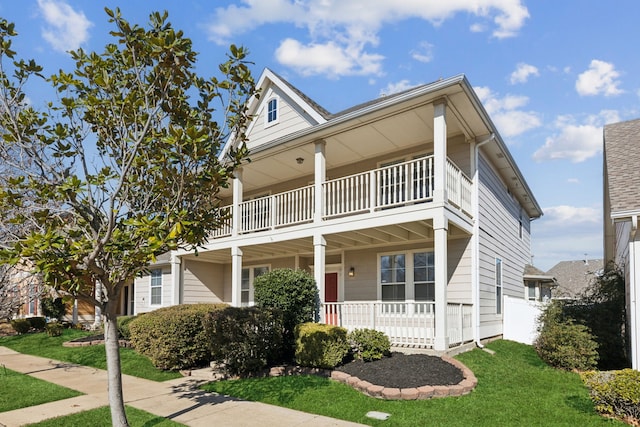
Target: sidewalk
x=179, y=399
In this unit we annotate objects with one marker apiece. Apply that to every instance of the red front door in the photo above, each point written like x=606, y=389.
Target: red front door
x=331, y=295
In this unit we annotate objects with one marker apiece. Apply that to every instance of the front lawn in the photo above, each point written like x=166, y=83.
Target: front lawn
x=40, y=344
x=101, y=417
x=515, y=388
x=21, y=391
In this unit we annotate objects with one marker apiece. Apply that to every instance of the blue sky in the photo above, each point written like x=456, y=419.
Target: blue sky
x=550, y=73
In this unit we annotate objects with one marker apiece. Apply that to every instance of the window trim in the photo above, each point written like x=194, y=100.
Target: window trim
x=157, y=286
x=251, y=291
x=498, y=271
x=409, y=279
x=267, y=114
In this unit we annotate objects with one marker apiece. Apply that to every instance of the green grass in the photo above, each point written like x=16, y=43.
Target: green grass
x=102, y=417
x=28, y=391
x=515, y=388
x=40, y=344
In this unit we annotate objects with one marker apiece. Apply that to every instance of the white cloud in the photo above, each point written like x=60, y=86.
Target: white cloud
x=566, y=233
x=576, y=141
x=396, y=87
x=523, y=72
x=573, y=181
x=424, y=52
x=600, y=78
x=66, y=29
x=506, y=113
x=351, y=27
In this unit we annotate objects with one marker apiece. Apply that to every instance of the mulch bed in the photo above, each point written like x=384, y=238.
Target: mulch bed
x=405, y=370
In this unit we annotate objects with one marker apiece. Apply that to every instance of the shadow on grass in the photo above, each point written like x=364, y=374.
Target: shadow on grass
x=275, y=389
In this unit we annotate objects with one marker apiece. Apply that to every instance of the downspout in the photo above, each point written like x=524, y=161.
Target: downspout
x=475, y=247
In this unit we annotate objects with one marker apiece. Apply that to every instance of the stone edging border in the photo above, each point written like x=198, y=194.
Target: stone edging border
x=465, y=386
x=121, y=343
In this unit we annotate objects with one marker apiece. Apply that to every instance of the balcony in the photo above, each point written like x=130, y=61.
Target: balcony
x=384, y=188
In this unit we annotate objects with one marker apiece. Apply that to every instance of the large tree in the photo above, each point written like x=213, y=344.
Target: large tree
x=121, y=166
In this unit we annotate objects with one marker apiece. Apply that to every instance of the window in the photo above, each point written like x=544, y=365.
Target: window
x=272, y=111
x=531, y=291
x=392, y=277
x=424, y=276
x=249, y=274
x=498, y=286
x=156, y=287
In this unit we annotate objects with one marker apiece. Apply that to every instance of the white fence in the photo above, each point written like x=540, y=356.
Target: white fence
x=520, y=319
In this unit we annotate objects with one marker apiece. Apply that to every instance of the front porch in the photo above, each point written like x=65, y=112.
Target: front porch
x=407, y=324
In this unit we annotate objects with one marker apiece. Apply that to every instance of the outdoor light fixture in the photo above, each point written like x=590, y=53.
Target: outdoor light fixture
x=352, y=272
x=300, y=160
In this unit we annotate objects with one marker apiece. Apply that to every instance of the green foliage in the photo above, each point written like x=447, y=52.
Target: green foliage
x=37, y=322
x=123, y=326
x=320, y=346
x=369, y=344
x=602, y=309
x=53, y=308
x=245, y=339
x=21, y=326
x=615, y=393
x=54, y=329
x=564, y=344
x=294, y=293
x=173, y=337
x=22, y=391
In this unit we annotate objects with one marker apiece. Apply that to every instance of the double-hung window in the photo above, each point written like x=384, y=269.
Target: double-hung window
x=393, y=277
x=424, y=276
x=156, y=286
x=407, y=275
x=249, y=274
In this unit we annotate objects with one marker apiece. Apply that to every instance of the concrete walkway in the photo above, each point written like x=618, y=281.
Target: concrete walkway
x=179, y=399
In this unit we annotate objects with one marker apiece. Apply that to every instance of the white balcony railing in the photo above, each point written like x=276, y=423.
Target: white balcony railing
x=459, y=323
x=383, y=188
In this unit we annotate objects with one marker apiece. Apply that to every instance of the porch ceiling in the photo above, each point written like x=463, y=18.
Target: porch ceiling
x=405, y=233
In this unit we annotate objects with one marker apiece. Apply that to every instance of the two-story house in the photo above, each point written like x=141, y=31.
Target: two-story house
x=408, y=210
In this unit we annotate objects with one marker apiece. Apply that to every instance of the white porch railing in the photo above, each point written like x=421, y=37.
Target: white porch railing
x=405, y=323
x=383, y=188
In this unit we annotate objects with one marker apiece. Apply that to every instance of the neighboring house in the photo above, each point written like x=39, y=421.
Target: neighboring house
x=408, y=210
x=574, y=277
x=538, y=285
x=621, y=211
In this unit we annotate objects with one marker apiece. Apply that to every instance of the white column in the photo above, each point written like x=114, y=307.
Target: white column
x=440, y=227
x=320, y=175
x=175, y=279
x=634, y=301
x=236, y=276
x=319, y=268
x=237, y=200
x=440, y=151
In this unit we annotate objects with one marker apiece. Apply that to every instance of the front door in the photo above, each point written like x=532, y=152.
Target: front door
x=331, y=295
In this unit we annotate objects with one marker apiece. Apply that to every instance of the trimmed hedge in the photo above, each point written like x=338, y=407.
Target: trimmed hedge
x=615, y=393
x=38, y=323
x=21, y=326
x=369, y=344
x=173, y=337
x=245, y=340
x=123, y=326
x=54, y=329
x=320, y=346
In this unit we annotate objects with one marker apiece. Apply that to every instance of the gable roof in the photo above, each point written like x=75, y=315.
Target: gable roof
x=621, y=160
x=533, y=273
x=575, y=276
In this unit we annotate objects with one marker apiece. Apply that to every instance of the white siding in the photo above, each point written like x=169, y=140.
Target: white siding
x=459, y=266
x=499, y=238
x=143, y=291
x=290, y=120
x=202, y=282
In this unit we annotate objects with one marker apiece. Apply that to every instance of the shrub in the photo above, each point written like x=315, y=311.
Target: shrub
x=615, y=393
x=292, y=292
x=21, y=326
x=320, y=346
x=54, y=329
x=369, y=344
x=38, y=323
x=564, y=344
x=123, y=326
x=173, y=337
x=53, y=308
x=245, y=339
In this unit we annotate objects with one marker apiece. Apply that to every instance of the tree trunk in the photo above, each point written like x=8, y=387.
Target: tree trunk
x=114, y=372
